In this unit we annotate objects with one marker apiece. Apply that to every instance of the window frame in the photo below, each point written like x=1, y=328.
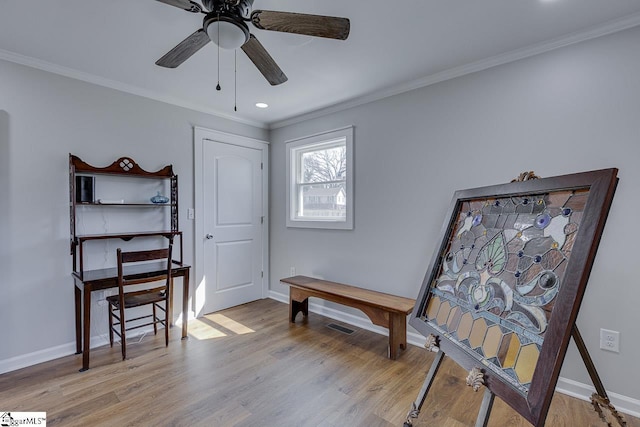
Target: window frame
x=294, y=148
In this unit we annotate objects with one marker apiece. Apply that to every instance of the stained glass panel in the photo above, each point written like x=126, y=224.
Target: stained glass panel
x=504, y=286
x=501, y=271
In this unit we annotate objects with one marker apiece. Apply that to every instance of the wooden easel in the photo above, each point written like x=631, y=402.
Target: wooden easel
x=599, y=400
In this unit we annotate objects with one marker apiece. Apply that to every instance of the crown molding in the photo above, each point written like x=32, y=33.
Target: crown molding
x=119, y=86
x=610, y=27
x=515, y=55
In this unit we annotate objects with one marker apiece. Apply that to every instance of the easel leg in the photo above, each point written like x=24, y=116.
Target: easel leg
x=417, y=405
x=600, y=398
x=485, y=408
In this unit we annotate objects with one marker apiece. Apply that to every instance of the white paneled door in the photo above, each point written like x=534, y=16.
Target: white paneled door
x=232, y=224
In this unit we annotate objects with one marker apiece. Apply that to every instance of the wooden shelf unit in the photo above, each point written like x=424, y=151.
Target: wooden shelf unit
x=123, y=167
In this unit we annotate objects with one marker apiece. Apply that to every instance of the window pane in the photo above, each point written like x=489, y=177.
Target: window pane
x=319, y=180
x=324, y=165
x=323, y=201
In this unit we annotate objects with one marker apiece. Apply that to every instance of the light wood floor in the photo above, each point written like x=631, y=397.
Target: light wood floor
x=248, y=366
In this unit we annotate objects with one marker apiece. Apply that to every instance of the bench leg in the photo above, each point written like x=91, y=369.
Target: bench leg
x=397, y=334
x=297, y=306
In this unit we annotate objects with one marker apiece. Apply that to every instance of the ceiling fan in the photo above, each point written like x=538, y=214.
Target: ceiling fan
x=225, y=23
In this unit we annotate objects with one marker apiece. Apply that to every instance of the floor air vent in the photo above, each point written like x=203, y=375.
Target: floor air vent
x=340, y=328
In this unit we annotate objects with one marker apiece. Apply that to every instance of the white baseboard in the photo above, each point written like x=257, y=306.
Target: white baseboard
x=41, y=356
x=566, y=386
x=48, y=354
x=30, y=359
x=582, y=391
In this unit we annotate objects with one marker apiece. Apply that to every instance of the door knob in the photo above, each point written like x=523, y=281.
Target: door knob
x=209, y=236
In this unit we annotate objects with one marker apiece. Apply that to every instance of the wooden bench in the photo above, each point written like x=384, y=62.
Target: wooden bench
x=384, y=310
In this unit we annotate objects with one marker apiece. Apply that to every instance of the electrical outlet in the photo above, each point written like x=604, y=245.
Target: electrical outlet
x=292, y=271
x=610, y=340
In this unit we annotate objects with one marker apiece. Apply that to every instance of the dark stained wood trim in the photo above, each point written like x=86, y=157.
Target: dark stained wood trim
x=120, y=167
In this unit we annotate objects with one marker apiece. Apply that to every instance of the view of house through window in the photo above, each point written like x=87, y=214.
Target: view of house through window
x=319, y=189
x=321, y=186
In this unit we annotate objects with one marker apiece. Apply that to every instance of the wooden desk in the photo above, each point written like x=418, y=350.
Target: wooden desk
x=97, y=280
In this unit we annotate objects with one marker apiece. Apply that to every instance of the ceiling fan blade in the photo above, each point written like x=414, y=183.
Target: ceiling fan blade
x=263, y=61
x=187, y=5
x=184, y=49
x=300, y=23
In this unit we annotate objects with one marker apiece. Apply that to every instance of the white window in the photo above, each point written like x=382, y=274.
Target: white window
x=320, y=180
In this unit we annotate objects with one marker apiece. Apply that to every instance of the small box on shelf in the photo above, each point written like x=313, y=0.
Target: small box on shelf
x=84, y=189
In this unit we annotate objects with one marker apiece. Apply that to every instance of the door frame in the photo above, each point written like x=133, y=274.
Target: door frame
x=200, y=135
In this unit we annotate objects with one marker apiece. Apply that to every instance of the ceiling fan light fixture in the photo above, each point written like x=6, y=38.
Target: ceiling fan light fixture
x=226, y=24
x=262, y=105
x=232, y=34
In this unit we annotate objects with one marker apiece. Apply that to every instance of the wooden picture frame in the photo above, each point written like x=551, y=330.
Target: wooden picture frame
x=503, y=289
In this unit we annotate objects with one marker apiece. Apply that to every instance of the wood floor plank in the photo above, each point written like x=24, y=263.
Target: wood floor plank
x=248, y=366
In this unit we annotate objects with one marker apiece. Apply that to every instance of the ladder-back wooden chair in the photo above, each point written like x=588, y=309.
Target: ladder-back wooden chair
x=157, y=296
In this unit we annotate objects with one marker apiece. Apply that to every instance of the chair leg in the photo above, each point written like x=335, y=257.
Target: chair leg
x=110, y=325
x=155, y=320
x=123, y=338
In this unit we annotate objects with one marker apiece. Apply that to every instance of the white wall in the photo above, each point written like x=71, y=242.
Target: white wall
x=43, y=118
x=569, y=110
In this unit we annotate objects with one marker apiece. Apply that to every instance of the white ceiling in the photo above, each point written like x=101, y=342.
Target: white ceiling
x=393, y=46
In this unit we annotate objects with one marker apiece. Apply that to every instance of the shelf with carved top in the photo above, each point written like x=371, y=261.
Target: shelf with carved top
x=122, y=176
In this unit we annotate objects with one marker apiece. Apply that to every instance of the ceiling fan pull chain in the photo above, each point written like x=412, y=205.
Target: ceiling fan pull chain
x=218, y=85
x=235, y=80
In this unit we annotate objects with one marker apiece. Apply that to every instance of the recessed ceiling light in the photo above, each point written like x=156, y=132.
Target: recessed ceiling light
x=261, y=105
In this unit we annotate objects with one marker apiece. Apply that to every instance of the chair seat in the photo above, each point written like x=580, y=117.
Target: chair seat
x=137, y=299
